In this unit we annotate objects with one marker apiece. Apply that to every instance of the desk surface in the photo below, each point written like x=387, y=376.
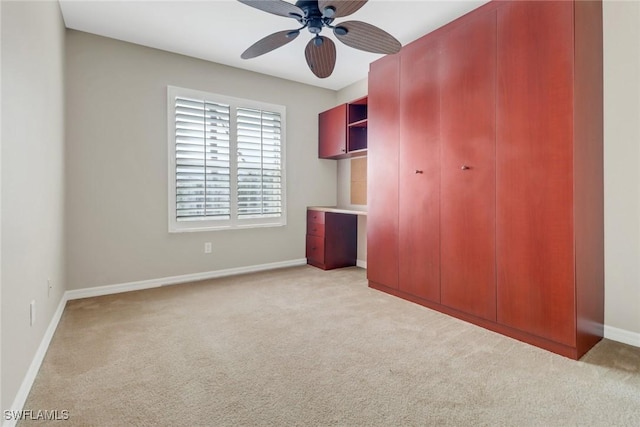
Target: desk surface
x=335, y=209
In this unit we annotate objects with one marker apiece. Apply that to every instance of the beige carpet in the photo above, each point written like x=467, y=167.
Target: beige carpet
x=305, y=347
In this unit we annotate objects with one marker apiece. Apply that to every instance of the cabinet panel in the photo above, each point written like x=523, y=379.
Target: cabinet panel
x=382, y=178
x=331, y=239
x=315, y=216
x=332, y=132
x=535, y=281
x=315, y=229
x=588, y=174
x=419, y=171
x=468, y=67
x=315, y=250
x=341, y=240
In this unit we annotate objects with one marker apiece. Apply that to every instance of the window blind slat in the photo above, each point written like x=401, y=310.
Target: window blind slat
x=202, y=160
x=258, y=134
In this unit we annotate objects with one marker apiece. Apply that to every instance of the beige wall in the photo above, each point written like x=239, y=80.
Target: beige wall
x=1, y=402
x=117, y=164
x=622, y=164
x=32, y=180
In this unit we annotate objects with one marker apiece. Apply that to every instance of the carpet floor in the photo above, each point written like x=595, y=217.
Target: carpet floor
x=305, y=347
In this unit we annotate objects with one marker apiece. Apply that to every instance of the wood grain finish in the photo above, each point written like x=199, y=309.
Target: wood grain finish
x=332, y=132
x=342, y=131
x=315, y=251
x=315, y=229
x=555, y=347
x=315, y=216
x=534, y=160
x=331, y=239
x=468, y=69
x=419, y=171
x=529, y=73
x=382, y=179
x=589, y=174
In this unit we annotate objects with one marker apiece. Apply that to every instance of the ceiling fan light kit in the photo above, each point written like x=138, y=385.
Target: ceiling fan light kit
x=320, y=52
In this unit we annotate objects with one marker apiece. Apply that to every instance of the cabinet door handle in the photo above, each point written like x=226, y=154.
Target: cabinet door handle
x=465, y=167
x=418, y=171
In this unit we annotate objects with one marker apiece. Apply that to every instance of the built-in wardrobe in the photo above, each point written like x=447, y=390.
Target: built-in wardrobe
x=485, y=177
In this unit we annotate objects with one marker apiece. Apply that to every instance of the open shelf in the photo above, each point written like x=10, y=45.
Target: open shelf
x=359, y=124
x=357, y=138
x=357, y=111
x=343, y=131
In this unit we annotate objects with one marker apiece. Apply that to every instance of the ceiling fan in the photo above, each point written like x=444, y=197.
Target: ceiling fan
x=320, y=52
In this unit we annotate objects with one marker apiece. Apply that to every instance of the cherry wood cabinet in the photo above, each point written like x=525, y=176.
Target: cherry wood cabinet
x=538, y=164
x=331, y=239
x=511, y=129
x=468, y=69
x=342, y=130
x=332, y=132
x=419, y=171
x=535, y=170
x=382, y=172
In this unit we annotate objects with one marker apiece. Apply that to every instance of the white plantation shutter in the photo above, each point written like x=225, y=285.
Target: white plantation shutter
x=202, y=160
x=259, y=163
x=226, y=162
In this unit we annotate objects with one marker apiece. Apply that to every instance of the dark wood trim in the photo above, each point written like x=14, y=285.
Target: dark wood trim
x=554, y=347
x=589, y=174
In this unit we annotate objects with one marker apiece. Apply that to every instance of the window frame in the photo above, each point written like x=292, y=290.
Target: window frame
x=234, y=222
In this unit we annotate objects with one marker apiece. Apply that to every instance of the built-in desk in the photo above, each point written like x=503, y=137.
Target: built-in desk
x=332, y=235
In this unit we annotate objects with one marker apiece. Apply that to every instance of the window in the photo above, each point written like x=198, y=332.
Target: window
x=226, y=162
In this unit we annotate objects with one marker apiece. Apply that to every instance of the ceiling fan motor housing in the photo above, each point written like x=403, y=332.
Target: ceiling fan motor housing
x=314, y=18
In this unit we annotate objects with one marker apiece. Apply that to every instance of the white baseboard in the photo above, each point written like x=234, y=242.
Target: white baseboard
x=362, y=264
x=174, y=280
x=622, y=335
x=32, y=372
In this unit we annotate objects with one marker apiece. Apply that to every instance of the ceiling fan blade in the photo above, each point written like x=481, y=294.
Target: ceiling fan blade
x=321, y=56
x=270, y=43
x=367, y=37
x=277, y=7
x=342, y=7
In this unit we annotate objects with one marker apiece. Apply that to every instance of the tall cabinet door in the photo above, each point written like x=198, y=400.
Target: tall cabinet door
x=468, y=64
x=535, y=281
x=382, y=179
x=419, y=171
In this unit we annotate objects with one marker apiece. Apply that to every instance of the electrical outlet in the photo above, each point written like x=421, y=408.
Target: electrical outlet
x=207, y=248
x=32, y=312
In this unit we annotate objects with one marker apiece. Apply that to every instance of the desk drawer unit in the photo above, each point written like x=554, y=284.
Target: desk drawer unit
x=331, y=239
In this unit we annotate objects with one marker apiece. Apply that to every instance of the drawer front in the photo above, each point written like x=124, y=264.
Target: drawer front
x=315, y=229
x=315, y=248
x=316, y=217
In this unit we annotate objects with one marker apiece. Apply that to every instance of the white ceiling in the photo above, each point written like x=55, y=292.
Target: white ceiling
x=220, y=30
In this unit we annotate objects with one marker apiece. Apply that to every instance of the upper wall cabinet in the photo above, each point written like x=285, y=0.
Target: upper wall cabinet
x=343, y=131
